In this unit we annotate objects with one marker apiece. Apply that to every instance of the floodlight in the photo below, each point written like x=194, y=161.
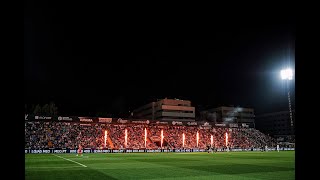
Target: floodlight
x=286, y=74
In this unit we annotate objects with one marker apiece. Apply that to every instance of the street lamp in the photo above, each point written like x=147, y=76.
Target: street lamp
x=287, y=74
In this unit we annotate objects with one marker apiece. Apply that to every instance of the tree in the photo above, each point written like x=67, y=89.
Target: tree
x=53, y=110
x=32, y=108
x=102, y=113
x=37, y=110
x=45, y=110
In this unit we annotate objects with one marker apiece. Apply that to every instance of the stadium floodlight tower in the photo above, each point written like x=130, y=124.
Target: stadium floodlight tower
x=287, y=75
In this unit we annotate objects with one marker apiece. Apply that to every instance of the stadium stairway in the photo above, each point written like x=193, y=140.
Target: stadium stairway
x=165, y=141
x=149, y=140
x=110, y=142
x=50, y=145
x=157, y=140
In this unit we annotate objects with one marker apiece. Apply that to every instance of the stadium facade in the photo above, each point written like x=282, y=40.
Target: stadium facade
x=166, y=110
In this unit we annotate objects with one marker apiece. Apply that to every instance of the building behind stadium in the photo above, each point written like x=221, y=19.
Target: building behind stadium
x=229, y=115
x=277, y=124
x=166, y=110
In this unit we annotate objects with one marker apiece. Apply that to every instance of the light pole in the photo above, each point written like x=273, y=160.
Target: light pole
x=287, y=75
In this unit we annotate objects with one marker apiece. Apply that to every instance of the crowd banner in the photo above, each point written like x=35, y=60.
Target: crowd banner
x=52, y=151
x=108, y=120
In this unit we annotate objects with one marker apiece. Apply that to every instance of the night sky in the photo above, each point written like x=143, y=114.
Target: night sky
x=86, y=62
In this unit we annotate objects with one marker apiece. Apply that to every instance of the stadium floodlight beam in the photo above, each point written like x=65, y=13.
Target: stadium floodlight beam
x=287, y=74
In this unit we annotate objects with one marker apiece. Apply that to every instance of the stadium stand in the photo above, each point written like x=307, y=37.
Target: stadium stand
x=42, y=135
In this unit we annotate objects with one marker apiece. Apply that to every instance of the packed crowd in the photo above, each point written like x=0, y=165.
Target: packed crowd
x=42, y=135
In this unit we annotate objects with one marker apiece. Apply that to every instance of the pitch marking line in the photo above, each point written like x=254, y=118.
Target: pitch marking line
x=52, y=167
x=70, y=160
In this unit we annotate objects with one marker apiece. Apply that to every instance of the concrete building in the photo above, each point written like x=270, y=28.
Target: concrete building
x=167, y=110
x=276, y=124
x=229, y=115
x=208, y=116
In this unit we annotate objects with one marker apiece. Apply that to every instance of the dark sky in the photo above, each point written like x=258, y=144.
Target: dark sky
x=86, y=62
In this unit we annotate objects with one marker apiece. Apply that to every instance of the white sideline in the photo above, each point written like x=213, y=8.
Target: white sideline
x=52, y=167
x=70, y=160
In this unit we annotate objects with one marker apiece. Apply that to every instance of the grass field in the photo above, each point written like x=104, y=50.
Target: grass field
x=222, y=165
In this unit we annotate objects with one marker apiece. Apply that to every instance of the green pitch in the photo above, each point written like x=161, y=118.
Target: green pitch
x=223, y=165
